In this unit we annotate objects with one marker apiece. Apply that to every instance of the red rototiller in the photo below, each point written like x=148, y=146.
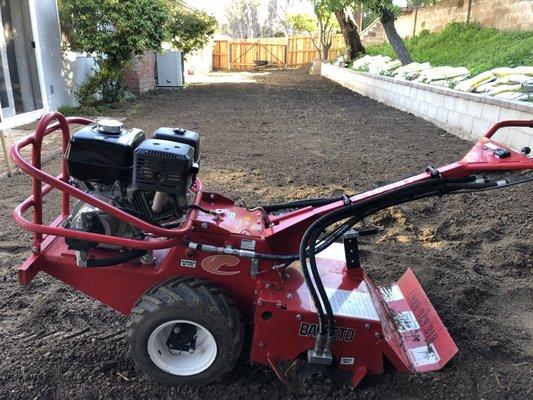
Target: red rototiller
x=197, y=273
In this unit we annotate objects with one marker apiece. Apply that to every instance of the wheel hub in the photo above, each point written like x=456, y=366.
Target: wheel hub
x=182, y=337
x=182, y=348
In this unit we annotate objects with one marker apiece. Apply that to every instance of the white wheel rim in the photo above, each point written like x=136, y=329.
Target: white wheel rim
x=182, y=363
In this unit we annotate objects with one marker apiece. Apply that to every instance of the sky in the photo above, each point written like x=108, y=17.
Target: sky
x=217, y=7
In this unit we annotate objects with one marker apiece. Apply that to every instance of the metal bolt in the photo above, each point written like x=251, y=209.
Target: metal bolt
x=268, y=285
x=289, y=295
x=204, y=225
x=287, y=276
x=211, y=196
x=377, y=335
x=278, y=305
x=34, y=249
x=298, y=317
x=367, y=327
x=177, y=329
x=261, y=344
x=259, y=302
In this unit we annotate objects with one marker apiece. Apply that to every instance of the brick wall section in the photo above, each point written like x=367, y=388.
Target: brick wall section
x=139, y=77
x=513, y=15
x=466, y=115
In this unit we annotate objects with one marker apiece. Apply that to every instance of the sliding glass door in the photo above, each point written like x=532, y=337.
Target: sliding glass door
x=20, y=90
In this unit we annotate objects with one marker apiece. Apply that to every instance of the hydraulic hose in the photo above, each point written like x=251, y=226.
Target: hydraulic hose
x=359, y=211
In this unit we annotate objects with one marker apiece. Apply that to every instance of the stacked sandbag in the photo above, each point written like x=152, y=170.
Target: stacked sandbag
x=503, y=82
x=377, y=63
x=443, y=76
x=471, y=84
x=410, y=71
x=362, y=63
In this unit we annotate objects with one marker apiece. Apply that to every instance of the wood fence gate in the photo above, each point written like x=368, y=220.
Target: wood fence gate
x=249, y=54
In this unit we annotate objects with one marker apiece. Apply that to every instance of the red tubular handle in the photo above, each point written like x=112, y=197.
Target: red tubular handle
x=510, y=123
x=44, y=128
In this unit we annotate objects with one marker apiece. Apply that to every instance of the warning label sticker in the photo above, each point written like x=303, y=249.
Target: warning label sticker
x=406, y=321
x=391, y=293
x=347, y=361
x=423, y=355
x=351, y=303
x=188, y=263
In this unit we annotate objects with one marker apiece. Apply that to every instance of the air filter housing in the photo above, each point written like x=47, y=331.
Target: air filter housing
x=164, y=166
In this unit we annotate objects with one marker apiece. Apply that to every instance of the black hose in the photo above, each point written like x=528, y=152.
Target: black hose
x=302, y=203
x=362, y=209
x=108, y=262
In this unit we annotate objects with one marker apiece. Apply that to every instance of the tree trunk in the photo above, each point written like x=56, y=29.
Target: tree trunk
x=325, y=51
x=349, y=31
x=387, y=20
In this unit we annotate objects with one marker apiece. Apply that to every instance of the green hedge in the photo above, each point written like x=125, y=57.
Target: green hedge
x=461, y=45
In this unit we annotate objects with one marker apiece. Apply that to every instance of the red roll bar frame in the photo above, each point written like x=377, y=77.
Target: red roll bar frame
x=44, y=128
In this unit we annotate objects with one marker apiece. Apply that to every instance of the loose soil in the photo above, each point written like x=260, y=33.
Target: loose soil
x=288, y=136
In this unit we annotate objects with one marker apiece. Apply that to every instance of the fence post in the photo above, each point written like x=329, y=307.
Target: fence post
x=287, y=54
x=229, y=55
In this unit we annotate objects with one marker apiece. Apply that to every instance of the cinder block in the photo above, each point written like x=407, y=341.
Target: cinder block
x=465, y=123
x=442, y=114
x=449, y=102
x=511, y=114
x=480, y=126
x=518, y=140
x=490, y=112
x=474, y=108
x=454, y=118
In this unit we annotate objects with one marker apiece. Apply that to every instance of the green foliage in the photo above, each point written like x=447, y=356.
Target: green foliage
x=302, y=23
x=112, y=30
x=189, y=30
x=467, y=45
x=68, y=111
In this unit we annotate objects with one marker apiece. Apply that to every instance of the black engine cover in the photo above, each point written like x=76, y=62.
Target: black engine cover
x=99, y=157
x=181, y=135
x=164, y=166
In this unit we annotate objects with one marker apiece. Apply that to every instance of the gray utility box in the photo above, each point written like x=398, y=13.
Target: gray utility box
x=169, y=69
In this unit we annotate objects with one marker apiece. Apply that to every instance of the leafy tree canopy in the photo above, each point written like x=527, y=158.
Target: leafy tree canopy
x=189, y=31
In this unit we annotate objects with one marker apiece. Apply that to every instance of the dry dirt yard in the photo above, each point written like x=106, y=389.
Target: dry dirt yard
x=291, y=135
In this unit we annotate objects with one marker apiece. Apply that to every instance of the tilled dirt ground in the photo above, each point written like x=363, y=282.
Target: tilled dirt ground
x=291, y=135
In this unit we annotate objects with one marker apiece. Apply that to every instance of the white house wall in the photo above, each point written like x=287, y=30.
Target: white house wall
x=47, y=38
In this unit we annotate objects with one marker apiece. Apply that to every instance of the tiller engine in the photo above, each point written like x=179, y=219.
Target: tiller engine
x=197, y=272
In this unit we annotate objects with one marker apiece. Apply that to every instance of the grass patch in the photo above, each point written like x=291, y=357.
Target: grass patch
x=461, y=45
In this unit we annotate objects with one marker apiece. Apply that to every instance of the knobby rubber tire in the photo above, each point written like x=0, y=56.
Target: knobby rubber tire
x=194, y=300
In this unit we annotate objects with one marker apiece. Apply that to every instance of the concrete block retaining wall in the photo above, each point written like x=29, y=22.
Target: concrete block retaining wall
x=466, y=115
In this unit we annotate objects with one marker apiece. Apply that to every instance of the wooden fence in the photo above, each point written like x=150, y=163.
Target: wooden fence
x=247, y=54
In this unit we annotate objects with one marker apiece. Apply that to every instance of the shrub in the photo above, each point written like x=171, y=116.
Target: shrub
x=112, y=30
